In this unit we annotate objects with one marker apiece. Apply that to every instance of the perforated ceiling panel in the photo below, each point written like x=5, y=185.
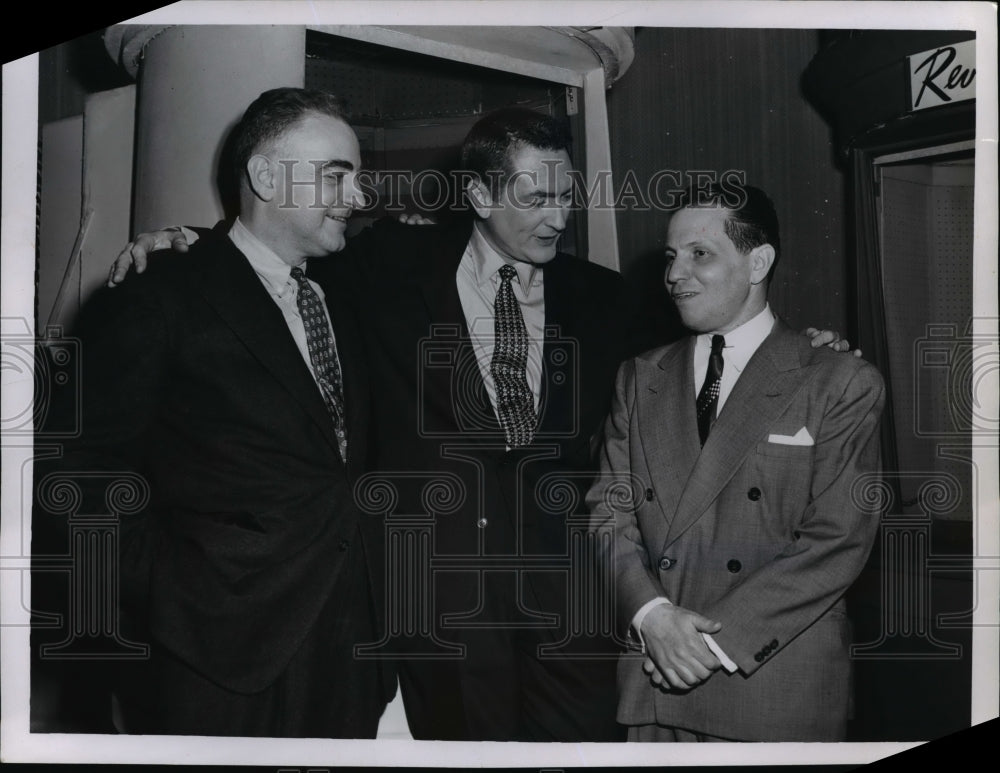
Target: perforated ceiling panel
x=353, y=85
x=393, y=93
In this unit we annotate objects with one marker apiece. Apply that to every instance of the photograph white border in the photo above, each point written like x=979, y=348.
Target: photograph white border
x=20, y=119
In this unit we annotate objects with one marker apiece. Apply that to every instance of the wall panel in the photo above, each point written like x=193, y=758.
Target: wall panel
x=720, y=99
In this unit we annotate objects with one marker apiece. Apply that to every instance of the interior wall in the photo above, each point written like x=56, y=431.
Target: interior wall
x=108, y=133
x=927, y=242
x=70, y=71
x=60, y=206
x=194, y=84
x=730, y=99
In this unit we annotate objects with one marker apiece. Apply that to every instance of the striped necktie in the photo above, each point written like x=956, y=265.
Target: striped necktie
x=515, y=403
x=708, y=397
x=323, y=355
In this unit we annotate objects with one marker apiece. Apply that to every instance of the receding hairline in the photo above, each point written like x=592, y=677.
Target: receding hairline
x=276, y=141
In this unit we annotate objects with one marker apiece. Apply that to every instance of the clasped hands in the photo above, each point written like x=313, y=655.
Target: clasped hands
x=676, y=653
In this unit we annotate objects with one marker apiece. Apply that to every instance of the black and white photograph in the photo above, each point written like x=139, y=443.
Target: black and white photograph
x=501, y=384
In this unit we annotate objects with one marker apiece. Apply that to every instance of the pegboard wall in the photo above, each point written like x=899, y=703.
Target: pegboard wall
x=412, y=111
x=384, y=84
x=387, y=93
x=951, y=231
x=926, y=245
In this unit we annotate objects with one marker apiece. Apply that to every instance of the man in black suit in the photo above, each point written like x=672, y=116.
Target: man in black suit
x=219, y=378
x=493, y=357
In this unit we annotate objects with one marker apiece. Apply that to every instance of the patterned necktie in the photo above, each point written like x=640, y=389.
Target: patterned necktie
x=515, y=403
x=323, y=355
x=708, y=397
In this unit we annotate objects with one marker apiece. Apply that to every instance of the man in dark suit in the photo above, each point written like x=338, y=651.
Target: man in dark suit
x=219, y=378
x=747, y=520
x=448, y=309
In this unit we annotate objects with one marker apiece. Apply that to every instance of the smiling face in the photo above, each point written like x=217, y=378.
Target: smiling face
x=715, y=287
x=525, y=220
x=313, y=168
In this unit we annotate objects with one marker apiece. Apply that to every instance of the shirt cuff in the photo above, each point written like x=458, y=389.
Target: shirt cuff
x=727, y=663
x=190, y=235
x=635, y=630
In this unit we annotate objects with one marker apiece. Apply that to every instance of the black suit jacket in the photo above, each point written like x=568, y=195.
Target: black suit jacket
x=433, y=419
x=191, y=378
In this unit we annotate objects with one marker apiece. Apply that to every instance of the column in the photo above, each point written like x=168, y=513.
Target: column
x=194, y=84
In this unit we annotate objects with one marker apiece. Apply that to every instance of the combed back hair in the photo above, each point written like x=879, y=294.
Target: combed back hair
x=495, y=138
x=752, y=219
x=271, y=115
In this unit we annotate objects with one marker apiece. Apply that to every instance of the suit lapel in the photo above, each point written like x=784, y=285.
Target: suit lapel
x=556, y=402
x=667, y=423
x=764, y=389
x=436, y=278
x=231, y=287
x=465, y=398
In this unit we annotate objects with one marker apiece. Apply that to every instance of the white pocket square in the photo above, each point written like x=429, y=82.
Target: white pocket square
x=800, y=438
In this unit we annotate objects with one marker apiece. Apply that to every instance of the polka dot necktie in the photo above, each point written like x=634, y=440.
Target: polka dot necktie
x=708, y=397
x=515, y=403
x=322, y=354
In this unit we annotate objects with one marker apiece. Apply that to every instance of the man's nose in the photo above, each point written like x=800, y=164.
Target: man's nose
x=355, y=196
x=675, y=272
x=557, y=216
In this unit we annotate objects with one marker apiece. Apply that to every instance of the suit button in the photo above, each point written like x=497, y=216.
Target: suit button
x=666, y=563
x=758, y=657
x=753, y=494
x=481, y=523
x=774, y=644
x=733, y=565
x=649, y=495
x=344, y=545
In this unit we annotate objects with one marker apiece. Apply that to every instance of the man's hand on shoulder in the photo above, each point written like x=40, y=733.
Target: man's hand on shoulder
x=830, y=338
x=135, y=254
x=137, y=251
x=416, y=219
x=677, y=655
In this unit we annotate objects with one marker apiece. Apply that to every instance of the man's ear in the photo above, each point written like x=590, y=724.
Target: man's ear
x=761, y=260
x=480, y=198
x=260, y=175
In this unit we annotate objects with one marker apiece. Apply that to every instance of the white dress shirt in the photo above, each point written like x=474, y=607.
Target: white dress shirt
x=276, y=277
x=741, y=344
x=478, y=280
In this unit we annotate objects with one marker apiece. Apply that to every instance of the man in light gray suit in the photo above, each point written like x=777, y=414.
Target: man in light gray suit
x=742, y=449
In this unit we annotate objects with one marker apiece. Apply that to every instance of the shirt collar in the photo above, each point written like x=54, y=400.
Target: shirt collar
x=486, y=262
x=743, y=341
x=272, y=270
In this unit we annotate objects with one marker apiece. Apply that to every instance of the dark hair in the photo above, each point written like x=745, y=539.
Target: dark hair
x=271, y=115
x=752, y=219
x=496, y=137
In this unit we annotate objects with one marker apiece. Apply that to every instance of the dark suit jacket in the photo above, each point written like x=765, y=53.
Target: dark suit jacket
x=759, y=532
x=192, y=379
x=434, y=419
